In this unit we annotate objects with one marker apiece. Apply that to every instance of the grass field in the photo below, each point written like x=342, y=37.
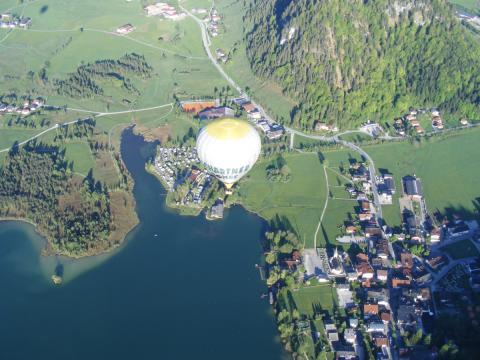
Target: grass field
x=449, y=169
x=79, y=153
x=65, y=35
x=461, y=249
x=473, y=5
x=266, y=93
x=300, y=201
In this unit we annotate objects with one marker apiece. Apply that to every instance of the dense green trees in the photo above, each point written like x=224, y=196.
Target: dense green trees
x=84, y=81
x=349, y=61
x=74, y=215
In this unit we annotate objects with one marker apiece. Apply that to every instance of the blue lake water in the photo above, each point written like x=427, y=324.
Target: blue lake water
x=191, y=292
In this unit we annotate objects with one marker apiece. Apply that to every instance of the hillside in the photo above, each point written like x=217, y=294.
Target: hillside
x=351, y=60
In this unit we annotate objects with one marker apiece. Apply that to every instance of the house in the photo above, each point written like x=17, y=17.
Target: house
x=399, y=282
x=360, y=173
x=412, y=187
x=216, y=113
x=363, y=267
x=461, y=230
x=386, y=316
x=381, y=247
x=373, y=231
x=406, y=260
x=276, y=131
x=382, y=275
x=435, y=235
x=379, y=296
x=293, y=261
x=406, y=315
x=350, y=335
x=376, y=326
x=125, y=29
x=255, y=115
x=365, y=205
x=380, y=340
x=216, y=211
x=463, y=122
x=196, y=106
x=321, y=126
x=419, y=130
x=370, y=309
x=350, y=229
x=331, y=332
x=365, y=216
x=249, y=107
x=353, y=322
x=25, y=22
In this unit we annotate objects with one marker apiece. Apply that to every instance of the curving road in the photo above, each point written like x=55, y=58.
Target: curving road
x=334, y=139
x=95, y=114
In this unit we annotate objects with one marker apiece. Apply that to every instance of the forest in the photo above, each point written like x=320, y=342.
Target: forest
x=348, y=61
x=84, y=82
x=36, y=184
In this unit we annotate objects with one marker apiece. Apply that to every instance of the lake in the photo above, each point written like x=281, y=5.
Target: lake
x=191, y=292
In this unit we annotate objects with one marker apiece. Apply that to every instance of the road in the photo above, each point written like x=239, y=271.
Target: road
x=95, y=114
x=334, y=139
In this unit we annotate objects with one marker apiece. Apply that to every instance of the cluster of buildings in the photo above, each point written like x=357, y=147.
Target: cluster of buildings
x=221, y=55
x=270, y=129
x=165, y=10
x=28, y=107
x=410, y=122
x=10, y=21
x=213, y=21
x=404, y=124
x=207, y=109
x=176, y=166
x=211, y=110
x=170, y=161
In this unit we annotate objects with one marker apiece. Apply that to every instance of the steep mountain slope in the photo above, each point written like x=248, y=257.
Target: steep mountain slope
x=352, y=60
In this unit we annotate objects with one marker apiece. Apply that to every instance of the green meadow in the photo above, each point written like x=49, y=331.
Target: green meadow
x=472, y=5
x=231, y=41
x=65, y=35
x=449, y=169
x=300, y=201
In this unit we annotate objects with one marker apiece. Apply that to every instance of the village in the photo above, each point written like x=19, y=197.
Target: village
x=390, y=284
x=12, y=21
x=212, y=109
x=26, y=108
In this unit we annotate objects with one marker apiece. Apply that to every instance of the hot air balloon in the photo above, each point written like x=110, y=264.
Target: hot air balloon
x=228, y=148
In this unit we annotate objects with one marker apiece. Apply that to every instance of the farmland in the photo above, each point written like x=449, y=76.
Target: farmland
x=300, y=202
x=447, y=167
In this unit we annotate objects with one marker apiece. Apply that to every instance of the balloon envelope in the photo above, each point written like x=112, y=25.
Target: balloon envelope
x=228, y=148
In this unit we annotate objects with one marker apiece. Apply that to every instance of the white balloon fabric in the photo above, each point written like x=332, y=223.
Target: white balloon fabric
x=228, y=148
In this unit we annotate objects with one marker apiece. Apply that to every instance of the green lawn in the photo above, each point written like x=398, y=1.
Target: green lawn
x=300, y=201
x=322, y=297
x=79, y=153
x=461, y=249
x=68, y=34
x=473, y=5
x=449, y=169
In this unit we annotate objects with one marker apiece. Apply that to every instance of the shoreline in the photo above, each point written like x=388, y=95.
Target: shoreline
x=47, y=249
